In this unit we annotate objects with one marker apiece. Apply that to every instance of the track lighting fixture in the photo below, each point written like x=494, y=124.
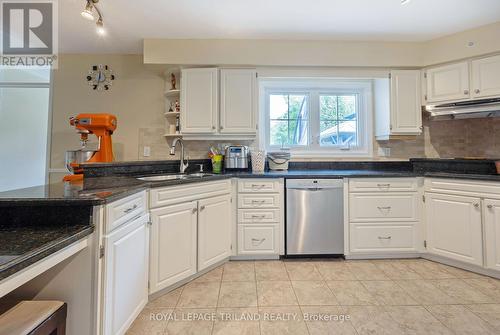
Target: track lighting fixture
x=88, y=13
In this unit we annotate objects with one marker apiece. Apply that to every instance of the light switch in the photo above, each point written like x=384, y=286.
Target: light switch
x=147, y=152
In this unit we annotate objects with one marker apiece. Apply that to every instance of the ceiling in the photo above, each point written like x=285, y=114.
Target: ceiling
x=128, y=22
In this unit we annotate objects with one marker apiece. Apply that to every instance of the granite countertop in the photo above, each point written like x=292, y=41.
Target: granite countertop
x=23, y=246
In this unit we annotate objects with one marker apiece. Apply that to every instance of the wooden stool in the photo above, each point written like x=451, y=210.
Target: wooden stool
x=35, y=318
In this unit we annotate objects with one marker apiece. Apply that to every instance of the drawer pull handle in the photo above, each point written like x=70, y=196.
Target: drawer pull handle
x=384, y=208
x=258, y=201
x=258, y=185
x=490, y=206
x=263, y=216
x=384, y=185
x=128, y=210
x=256, y=241
x=384, y=237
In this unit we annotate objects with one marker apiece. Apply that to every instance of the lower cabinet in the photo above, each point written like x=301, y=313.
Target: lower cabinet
x=173, y=244
x=258, y=239
x=377, y=238
x=492, y=233
x=454, y=227
x=214, y=230
x=125, y=289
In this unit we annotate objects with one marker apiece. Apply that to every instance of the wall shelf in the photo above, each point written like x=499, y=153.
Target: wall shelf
x=172, y=135
x=172, y=93
x=167, y=114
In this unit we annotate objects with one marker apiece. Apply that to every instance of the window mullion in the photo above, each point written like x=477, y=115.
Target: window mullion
x=314, y=119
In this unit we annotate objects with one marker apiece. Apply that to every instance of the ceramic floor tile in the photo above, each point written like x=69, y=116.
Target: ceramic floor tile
x=313, y=293
x=459, y=273
x=282, y=321
x=302, y=271
x=270, y=270
x=460, y=319
x=169, y=299
x=335, y=271
x=489, y=286
x=425, y=292
x=237, y=321
x=388, y=293
x=214, y=275
x=238, y=294
x=196, y=295
x=462, y=292
x=192, y=322
x=351, y=293
x=331, y=320
x=239, y=271
x=416, y=320
x=364, y=270
x=369, y=320
x=276, y=293
x=396, y=270
x=489, y=313
x=428, y=270
x=151, y=321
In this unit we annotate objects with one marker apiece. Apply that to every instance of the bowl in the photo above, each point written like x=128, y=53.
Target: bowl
x=77, y=157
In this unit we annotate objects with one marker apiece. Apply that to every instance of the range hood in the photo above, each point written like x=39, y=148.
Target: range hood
x=465, y=110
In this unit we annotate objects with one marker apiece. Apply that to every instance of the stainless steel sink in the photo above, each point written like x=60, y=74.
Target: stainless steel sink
x=163, y=177
x=166, y=177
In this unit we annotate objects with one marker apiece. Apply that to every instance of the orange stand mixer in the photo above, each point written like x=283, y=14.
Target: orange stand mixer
x=102, y=126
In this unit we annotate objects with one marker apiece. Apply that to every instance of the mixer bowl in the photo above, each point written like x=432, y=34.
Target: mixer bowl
x=73, y=157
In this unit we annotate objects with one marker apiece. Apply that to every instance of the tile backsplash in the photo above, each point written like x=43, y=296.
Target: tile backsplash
x=472, y=138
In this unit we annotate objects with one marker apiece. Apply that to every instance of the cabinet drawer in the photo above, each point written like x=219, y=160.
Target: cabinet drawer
x=383, y=185
x=259, y=186
x=464, y=187
x=120, y=211
x=171, y=195
x=258, y=239
x=376, y=207
x=258, y=200
x=258, y=215
x=373, y=238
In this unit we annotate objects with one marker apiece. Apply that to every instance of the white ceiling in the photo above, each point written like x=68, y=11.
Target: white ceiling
x=130, y=21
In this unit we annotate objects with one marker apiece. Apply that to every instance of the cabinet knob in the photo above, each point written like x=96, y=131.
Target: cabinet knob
x=466, y=92
x=221, y=127
x=202, y=208
x=194, y=210
x=213, y=127
x=476, y=205
x=477, y=90
x=490, y=206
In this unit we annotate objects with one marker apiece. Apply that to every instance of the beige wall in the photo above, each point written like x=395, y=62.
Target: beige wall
x=323, y=53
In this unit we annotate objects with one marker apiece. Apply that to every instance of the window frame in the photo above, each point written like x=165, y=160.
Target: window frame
x=315, y=88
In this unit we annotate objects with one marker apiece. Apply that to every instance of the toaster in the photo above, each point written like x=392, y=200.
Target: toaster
x=236, y=157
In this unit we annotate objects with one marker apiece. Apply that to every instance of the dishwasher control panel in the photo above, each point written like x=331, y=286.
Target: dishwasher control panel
x=314, y=183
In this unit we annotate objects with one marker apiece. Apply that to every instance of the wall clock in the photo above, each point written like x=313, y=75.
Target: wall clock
x=100, y=77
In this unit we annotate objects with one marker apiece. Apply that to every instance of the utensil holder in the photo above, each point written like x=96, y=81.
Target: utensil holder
x=258, y=161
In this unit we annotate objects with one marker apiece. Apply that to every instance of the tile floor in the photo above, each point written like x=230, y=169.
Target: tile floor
x=316, y=297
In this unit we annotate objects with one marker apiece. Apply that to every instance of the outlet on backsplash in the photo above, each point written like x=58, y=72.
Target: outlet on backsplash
x=384, y=152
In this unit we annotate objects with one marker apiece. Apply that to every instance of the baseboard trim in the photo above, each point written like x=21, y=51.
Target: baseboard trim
x=462, y=265
x=383, y=256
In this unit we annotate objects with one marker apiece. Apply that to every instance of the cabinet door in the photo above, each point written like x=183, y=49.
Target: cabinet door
x=454, y=227
x=486, y=77
x=406, y=111
x=199, y=101
x=238, y=101
x=173, y=244
x=492, y=233
x=450, y=82
x=126, y=275
x=214, y=230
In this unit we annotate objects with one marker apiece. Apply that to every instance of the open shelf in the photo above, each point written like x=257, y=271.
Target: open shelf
x=172, y=93
x=167, y=114
x=172, y=135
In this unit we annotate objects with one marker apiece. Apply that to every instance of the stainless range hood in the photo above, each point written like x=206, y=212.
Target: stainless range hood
x=465, y=110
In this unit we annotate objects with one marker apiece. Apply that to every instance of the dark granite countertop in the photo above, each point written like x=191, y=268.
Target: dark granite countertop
x=23, y=246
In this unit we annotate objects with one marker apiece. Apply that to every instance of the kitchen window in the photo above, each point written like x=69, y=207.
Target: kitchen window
x=318, y=118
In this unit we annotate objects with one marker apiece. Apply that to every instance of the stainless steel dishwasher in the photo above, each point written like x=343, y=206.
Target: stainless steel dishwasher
x=314, y=217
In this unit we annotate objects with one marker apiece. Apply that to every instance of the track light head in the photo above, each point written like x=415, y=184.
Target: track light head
x=88, y=13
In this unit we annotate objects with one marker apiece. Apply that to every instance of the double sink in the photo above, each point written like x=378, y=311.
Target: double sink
x=176, y=176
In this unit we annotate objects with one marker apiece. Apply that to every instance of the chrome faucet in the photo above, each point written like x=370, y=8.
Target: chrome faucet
x=183, y=165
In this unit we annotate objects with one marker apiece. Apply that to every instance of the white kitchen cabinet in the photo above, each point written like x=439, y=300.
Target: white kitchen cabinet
x=454, y=227
x=125, y=283
x=199, y=101
x=406, y=110
x=492, y=233
x=485, y=77
x=238, y=101
x=173, y=244
x=214, y=230
x=447, y=83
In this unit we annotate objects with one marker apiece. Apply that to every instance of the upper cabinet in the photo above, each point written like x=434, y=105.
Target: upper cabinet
x=238, y=101
x=201, y=92
x=485, y=77
x=199, y=101
x=398, y=104
x=449, y=82
x=468, y=80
